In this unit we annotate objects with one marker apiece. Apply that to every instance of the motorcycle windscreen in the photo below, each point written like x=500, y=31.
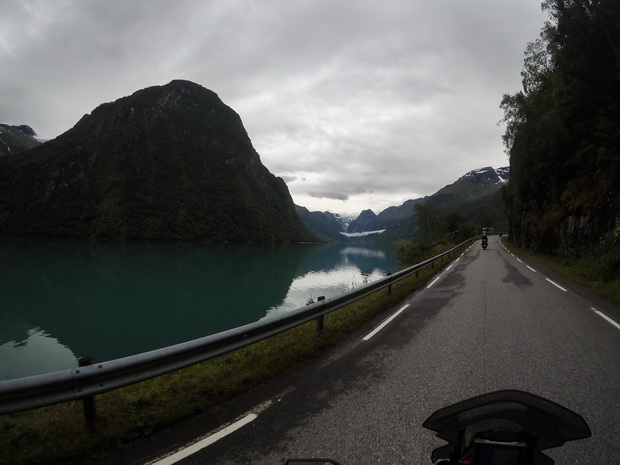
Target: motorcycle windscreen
x=509, y=410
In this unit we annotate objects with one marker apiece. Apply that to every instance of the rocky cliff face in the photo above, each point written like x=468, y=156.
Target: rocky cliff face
x=16, y=139
x=587, y=224
x=168, y=162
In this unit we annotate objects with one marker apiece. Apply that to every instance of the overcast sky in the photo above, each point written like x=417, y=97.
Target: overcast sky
x=356, y=104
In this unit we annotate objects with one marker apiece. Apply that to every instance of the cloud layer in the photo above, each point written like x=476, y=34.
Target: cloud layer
x=355, y=104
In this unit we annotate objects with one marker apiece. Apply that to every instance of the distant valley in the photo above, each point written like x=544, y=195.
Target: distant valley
x=473, y=196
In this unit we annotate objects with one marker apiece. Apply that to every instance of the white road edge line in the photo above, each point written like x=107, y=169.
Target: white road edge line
x=186, y=452
x=556, y=285
x=433, y=282
x=384, y=324
x=531, y=268
x=606, y=318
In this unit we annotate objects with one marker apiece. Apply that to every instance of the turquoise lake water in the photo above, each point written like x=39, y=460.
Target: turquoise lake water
x=61, y=300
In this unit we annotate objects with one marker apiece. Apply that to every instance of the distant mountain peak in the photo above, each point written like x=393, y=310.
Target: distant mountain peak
x=16, y=139
x=489, y=175
x=20, y=129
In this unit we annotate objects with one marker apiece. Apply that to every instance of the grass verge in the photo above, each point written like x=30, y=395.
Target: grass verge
x=56, y=434
x=584, y=271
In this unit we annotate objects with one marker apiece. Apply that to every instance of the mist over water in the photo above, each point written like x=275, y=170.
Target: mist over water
x=61, y=300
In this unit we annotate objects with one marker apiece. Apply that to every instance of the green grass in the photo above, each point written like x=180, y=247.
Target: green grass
x=590, y=273
x=57, y=434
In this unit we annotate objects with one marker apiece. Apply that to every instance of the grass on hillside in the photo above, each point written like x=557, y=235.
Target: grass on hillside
x=57, y=434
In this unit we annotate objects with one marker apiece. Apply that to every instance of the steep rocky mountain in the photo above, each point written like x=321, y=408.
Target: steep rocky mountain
x=390, y=218
x=366, y=221
x=168, y=162
x=16, y=139
x=326, y=226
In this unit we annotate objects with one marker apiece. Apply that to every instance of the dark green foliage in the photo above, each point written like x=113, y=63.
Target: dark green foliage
x=563, y=131
x=435, y=224
x=459, y=229
x=412, y=252
x=605, y=267
x=416, y=251
x=487, y=216
x=167, y=163
x=431, y=221
x=603, y=262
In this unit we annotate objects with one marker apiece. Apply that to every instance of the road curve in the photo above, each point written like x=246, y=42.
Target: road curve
x=490, y=321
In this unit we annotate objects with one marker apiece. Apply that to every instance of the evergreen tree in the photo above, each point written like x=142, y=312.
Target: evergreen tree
x=563, y=129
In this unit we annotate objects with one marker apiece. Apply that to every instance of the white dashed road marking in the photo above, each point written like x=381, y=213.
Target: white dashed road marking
x=384, y=324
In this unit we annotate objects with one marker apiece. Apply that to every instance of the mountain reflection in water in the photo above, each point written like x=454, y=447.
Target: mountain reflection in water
x=67, y=299
x=37, y=353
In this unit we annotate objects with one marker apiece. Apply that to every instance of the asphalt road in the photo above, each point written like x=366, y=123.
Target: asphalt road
x=490, y=321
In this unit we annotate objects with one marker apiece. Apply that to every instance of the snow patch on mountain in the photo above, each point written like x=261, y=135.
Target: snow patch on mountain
x=500, y=175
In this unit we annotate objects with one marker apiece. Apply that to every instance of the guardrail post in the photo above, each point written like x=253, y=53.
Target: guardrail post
x=88, y=402
x=320, y=320
x=389, y=288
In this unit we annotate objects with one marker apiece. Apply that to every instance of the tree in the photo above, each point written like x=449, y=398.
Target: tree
x=487, y=216
x=430, y=220
x=563, y=129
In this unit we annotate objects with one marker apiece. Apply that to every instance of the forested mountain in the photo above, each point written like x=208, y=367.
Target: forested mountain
x=476, y=196
x=563, y=132
x=168, y=162
x=459, y=210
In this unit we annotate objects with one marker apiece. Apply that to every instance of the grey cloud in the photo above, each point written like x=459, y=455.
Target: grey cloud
x=329, y=195
x=357, y=101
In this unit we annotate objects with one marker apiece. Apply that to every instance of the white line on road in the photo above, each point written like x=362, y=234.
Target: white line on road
x=385, y=323
x=180, y=455
x=556, y=285
x=531, y=268
x=518, y=259
x=606, y=318
x=433, y=282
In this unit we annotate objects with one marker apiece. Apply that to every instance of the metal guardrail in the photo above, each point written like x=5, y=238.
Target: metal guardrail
x=85, y=382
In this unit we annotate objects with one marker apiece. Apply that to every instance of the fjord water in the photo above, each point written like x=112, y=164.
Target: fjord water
x=61, y=300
